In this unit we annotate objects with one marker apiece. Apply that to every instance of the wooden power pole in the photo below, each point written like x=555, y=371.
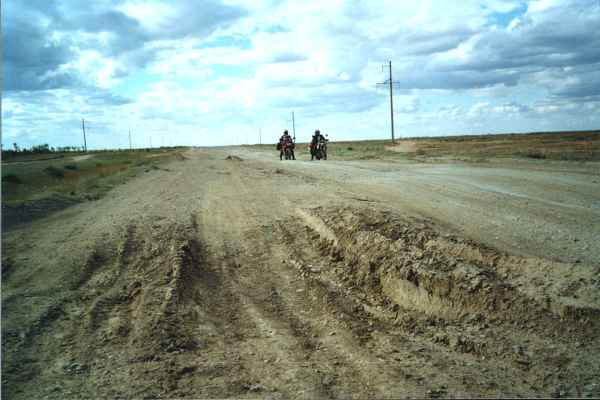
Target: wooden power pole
x=84, y=139
x=130, y=148
x=390, y=83
x=294, y=126
x=391, y=103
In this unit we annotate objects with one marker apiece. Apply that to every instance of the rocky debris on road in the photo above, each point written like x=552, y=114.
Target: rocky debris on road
x=75, y=368
x=253, y=387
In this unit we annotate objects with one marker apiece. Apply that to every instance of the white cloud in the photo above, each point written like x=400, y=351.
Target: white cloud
x=244, y=64
x=150, y=14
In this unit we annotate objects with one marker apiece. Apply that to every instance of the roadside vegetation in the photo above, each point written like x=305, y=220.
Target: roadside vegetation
x=565, y=146
x=37, y=183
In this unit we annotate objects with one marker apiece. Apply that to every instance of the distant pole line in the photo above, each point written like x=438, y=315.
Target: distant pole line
x=84, y=139
x=390, y=83
x=259, y=135
x=130, y=147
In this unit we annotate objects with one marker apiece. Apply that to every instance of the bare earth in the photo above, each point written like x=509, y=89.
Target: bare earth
x=245, y=277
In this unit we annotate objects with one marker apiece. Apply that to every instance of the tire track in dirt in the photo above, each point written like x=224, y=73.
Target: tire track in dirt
x=305, y=314
x=264, y=341
x=149, y=312
x=380, y=353
x=277, y=305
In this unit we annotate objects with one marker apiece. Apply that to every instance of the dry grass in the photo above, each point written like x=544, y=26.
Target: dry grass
x=571, y=146
x=568, y=146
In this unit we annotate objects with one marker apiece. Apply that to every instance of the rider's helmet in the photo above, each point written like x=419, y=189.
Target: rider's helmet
x=285, y=132
x=317, y=132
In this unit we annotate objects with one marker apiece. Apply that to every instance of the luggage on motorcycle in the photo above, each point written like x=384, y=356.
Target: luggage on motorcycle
x=278, y=146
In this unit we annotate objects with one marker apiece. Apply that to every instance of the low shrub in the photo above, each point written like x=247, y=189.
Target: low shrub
x=12, y=178
x=535, y=154
x=72, y=167
x=55, y=172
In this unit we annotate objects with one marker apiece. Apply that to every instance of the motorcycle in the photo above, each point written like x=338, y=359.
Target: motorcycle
x=319, y=150
x=288, y=151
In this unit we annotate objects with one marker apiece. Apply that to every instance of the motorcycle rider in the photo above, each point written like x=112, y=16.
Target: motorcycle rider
x=313, y=144
x=284, y=140
x=316, y=138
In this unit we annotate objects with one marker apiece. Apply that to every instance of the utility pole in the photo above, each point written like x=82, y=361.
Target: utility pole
x=259, y=135
x=150, y=137
x=84, y=139
x=130, y=148
x=390, y=83
x=294, y=126
x=391, y=102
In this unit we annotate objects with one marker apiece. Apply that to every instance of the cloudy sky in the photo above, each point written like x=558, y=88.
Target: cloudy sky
x=213, y=72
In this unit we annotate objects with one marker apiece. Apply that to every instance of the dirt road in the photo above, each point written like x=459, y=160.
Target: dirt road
x=541, y=208
x=231, y=274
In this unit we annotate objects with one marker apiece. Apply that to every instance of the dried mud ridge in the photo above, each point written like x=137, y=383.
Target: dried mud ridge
x=407, y=263
x=347, y=303
x=461, y=295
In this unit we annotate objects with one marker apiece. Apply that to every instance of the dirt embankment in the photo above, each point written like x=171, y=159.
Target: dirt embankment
x=443, y=275
x=214, y=278
x=458, y=294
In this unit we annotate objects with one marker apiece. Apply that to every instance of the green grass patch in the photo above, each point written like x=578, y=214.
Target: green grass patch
x=34, y=182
